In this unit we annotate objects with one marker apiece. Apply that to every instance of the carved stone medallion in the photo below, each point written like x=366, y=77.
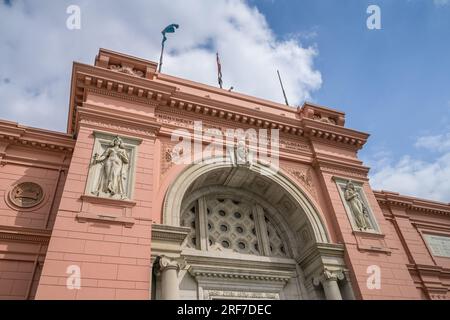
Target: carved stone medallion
x=26, y=194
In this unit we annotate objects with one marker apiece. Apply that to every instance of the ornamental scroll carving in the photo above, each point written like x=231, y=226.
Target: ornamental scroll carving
x=168, y=263
x=111, y=173
x=166, y=157
x=328, y=275
x=26, y=194
x=304, y=176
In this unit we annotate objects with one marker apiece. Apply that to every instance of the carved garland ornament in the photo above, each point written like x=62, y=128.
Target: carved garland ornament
x=167, y=155
x=126, y=69
x=305, y=178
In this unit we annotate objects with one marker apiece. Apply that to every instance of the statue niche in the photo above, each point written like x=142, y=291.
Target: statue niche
x=357, y=207
x=112, y=178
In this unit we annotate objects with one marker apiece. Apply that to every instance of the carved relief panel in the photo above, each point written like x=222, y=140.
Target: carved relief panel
x=26, y=195
x=112, y=167
x=356, y=206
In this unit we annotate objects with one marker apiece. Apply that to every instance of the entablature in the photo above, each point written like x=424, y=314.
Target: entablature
x=393, y=199
x=146, y=85
x=14, y=133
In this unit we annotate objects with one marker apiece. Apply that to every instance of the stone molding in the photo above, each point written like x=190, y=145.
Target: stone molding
x=393, y=199
x=175, y=194
x=14, y=133
x=108, y=201
x=224, y=294
x=99, y=117
x=169, y=233
x=128, y=222
x=25, y=235
x=144, y=90
x=239, y=266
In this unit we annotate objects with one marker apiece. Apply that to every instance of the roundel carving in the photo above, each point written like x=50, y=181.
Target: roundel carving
x=26, y=194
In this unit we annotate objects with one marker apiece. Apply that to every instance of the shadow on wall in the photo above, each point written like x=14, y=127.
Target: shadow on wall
x=30, y=201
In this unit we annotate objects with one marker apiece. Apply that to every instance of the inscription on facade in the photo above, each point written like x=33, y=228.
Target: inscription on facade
x=288, y=144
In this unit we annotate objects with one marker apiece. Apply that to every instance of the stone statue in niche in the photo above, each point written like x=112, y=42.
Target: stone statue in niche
x=241, y=154
x=357, y=207
x=113, y=174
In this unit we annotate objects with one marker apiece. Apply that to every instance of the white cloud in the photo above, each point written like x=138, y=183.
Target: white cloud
x=37, y=50
x=439, y=143
x=441, y=2
x=410, y=176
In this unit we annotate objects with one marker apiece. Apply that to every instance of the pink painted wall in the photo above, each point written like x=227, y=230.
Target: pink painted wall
x=38, y=245
x=114, y=259
x=41, y=157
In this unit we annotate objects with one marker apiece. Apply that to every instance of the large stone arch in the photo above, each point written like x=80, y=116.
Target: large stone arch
x=177, y=190
x=314, y=269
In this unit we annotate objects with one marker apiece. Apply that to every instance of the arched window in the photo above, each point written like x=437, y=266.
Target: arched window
x=230, y=224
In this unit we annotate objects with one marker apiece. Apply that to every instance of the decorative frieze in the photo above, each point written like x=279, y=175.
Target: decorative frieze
x=223, y=294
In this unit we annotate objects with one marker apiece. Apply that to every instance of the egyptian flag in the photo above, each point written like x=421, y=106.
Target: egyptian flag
x=219, y=70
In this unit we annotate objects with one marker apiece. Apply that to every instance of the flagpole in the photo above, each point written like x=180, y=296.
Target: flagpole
x=219, y=70
x=169, y=29
x=282, y=88
x=161, y=57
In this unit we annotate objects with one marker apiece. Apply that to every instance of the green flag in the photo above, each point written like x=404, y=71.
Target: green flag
x=169, y=29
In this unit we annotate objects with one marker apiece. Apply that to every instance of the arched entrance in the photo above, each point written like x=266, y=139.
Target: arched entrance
x=244, y=232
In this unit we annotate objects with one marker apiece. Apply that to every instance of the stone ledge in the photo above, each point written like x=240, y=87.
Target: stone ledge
x=84, y=217
x=362, y=247
x=107, y=201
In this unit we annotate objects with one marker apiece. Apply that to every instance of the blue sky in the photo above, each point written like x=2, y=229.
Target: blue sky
x=393, y=83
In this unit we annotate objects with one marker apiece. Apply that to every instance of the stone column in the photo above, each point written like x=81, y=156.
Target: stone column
x=329, y=280
x=169, y=278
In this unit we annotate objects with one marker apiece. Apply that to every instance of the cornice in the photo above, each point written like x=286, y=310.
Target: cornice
x=24, y=234
x=412, y=204
x=342, y=169
x=169, y=233
x=229, y=268
x=120, y=85
x=14, y=133
x=311, y=121
x=101, y=117
x=319, y=250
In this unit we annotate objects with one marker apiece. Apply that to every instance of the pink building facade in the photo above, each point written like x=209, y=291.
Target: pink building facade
x=105, y=212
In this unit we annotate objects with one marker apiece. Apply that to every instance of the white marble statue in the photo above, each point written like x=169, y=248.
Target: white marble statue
x=240, y=154
x=357, y=207
x=111, y=180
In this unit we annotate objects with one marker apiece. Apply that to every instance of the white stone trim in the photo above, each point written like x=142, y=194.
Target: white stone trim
x=177, y=190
